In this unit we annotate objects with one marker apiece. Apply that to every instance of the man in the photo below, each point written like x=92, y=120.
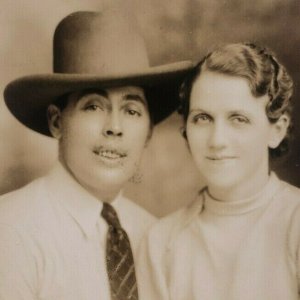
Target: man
x=64, y=236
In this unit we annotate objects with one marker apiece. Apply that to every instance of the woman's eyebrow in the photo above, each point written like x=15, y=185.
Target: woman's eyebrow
x=239, y=112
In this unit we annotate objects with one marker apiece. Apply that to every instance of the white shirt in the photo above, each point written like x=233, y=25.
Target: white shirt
x=213, y=250
x=52, y=240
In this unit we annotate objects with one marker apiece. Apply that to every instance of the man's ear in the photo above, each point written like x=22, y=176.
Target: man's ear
x=279, y=131
x=150, y=132
x=54, y=120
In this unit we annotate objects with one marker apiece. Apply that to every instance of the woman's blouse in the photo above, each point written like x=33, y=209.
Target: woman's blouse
x=214, y=250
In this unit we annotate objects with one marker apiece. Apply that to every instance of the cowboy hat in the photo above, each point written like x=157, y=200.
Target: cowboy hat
x=95, y=50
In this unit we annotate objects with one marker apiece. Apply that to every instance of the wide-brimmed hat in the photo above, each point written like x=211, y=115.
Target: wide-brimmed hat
x=95, y=50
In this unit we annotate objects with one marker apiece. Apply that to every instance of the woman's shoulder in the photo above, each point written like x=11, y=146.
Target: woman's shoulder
x=291, y=198
x=287, y=203
x=168, y=227
x=290, y=193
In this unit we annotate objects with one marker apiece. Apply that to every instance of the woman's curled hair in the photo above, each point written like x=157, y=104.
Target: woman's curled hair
x=265, y=75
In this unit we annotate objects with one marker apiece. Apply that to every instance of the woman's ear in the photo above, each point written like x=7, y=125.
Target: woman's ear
x=279, y=131
x=54, y=120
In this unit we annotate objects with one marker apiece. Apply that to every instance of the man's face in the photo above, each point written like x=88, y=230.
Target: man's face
x=102, y=135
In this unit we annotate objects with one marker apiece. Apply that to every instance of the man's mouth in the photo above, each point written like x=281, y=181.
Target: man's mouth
x=111, y=154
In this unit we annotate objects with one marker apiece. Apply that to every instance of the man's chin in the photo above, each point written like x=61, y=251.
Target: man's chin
x=110, y=177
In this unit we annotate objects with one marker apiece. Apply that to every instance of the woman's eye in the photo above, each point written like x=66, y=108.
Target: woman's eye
x=201, y=118
x=240, y=120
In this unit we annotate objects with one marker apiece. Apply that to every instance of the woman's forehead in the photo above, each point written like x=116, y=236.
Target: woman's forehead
x=212, y=90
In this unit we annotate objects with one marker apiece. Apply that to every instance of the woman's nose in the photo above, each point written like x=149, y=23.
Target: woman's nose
x=218, y=137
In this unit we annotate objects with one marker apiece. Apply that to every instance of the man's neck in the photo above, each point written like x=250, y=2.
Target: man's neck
x=104, y=195
x=107, y=194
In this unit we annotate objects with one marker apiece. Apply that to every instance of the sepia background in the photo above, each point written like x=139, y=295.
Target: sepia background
x=174, y=30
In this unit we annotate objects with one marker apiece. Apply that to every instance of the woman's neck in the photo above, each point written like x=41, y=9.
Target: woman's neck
x=240, y=190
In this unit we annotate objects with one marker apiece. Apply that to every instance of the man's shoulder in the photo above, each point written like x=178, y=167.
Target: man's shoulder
x=136, y=209
x=135, y=219
x=22, y=204
x=139, y=215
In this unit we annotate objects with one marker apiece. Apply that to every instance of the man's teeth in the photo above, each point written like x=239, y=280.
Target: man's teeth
x=110, y=154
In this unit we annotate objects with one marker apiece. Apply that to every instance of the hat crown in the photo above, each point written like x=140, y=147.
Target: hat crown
x=96, y=50
x=105, y=43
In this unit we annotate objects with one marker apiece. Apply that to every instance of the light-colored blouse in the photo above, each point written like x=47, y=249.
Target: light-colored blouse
x=213, y=250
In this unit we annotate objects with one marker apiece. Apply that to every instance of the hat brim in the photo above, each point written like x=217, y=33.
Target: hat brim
x=28, y=97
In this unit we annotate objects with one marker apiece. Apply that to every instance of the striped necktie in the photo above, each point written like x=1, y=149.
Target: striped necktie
x=119, y=258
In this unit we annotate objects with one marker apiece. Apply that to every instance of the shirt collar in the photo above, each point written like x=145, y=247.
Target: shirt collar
x=84, y=208
x=247, y=205
x=193, y=210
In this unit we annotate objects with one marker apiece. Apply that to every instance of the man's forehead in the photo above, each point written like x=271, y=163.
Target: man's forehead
x=123, y=92
x=126, y=90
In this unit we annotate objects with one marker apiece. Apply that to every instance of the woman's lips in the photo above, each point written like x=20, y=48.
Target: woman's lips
x=221, y=159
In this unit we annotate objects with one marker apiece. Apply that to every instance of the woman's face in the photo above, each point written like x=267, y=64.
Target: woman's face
x=229, y=134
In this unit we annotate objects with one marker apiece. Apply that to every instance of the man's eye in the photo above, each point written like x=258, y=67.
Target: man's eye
x=132, y=109
x=92, y=107
x=133, y=112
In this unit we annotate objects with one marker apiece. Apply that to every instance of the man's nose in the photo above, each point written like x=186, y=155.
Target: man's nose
x=113, y=126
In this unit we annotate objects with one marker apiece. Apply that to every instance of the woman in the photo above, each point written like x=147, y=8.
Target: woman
x=240, y=239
